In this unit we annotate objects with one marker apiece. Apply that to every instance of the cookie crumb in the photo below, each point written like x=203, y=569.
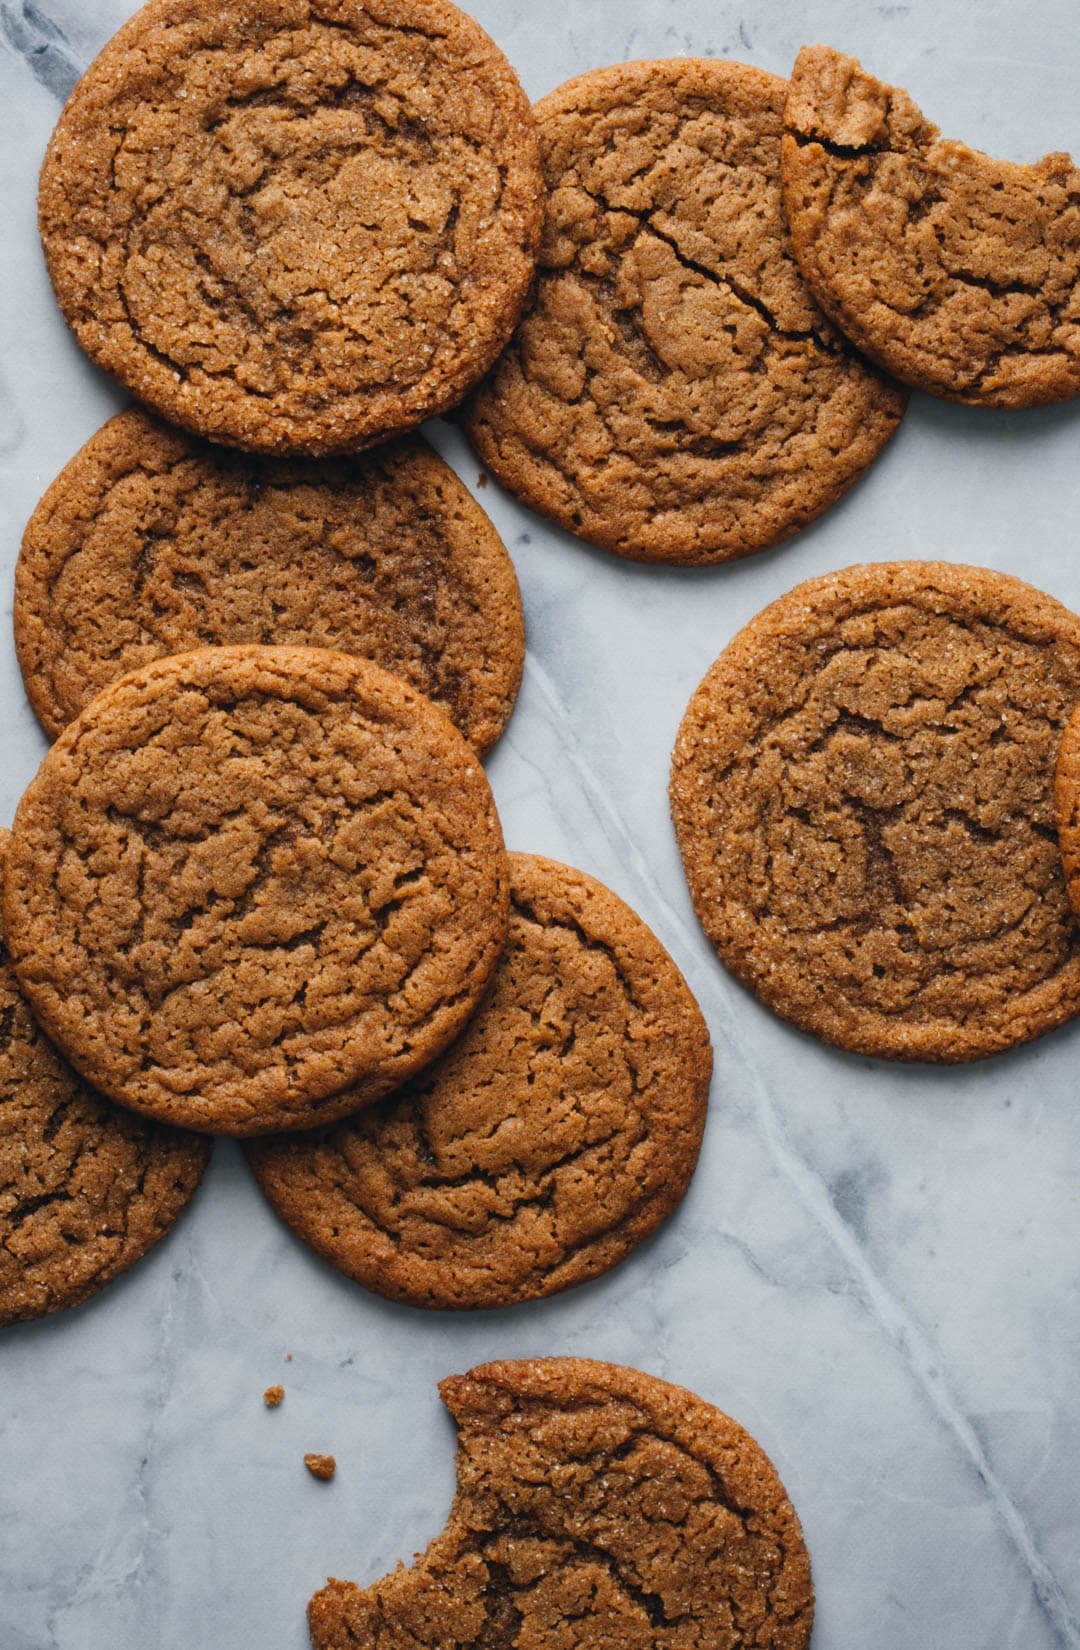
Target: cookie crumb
x=321, y=1466
x=288, y=1357
x=482, y=480
x=273, y=1396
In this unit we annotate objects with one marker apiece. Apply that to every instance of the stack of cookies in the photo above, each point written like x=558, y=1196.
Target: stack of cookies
x=258, y=887
x=259, y=884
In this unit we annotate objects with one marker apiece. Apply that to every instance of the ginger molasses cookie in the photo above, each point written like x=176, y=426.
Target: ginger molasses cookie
x=595, y=1507
x=863, y=793
x=151, y=542
x=294, y=225
x=254, y=888
x=1067, y=807
x=85, y=1188
x=559, y=1130
x=958, y=273
x=673, y=392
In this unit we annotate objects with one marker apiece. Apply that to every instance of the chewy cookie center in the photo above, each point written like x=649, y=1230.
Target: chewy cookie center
x=261, y=862
x=299, y=212
x=251, y=880
x=555, y=1037
x=208, y=551
x=905, y=841
x=669, y=289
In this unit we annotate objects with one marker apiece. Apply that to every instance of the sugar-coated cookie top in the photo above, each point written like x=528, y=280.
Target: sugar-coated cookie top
x=558, y=1131
x=294, y=225
x=862, y=789
x=673, y=392
x=85, y=1187
x=958, y=273
x=247, y=879
x=152, y=542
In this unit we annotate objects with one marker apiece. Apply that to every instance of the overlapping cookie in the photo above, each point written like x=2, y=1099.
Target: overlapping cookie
x=151, y=542
x=1067, y=807
x=254, y=888
x=556, y=1134
x=85, y=1188
x=959, y=274
x=673, y=392
x=862, y=788
x=294, y=226
x=595, y=1507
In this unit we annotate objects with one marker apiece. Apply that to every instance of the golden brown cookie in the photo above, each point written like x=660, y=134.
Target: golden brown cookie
x=151, y=542
x=1067, y=807
x=596, y=1508
x=862, y=790
x=673, y=392
x=294, y=225
x=560, y=1129
x=85, y=1188
x=255, y=888
x=958, y=273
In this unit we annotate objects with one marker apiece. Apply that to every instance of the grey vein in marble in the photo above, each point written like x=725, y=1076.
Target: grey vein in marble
x=30, y=32
x=874, y=1268
x=837, y=1209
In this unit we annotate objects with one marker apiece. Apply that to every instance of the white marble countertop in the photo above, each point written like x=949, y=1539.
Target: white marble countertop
x=876, y=1267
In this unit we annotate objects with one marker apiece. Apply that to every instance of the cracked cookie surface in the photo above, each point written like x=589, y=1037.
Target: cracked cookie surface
x=595, y=1507
x=151, y=542
x=255, y=888
x=1067, y=807
x=556, y=1134
x=862, y=791
x=296, y=225
x=673, y=393
x=85, y=1188
x=960, y=274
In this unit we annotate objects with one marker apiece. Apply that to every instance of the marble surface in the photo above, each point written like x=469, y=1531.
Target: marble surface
x=875, y=1269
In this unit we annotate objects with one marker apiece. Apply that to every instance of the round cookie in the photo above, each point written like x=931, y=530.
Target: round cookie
x=958, y=273
x=294, y=225
x=862, y=791
x=85, y=1189
x=151, y=542
x=254, y=888
x=558, y=1132
x=595, y=1507
x=673, y=393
